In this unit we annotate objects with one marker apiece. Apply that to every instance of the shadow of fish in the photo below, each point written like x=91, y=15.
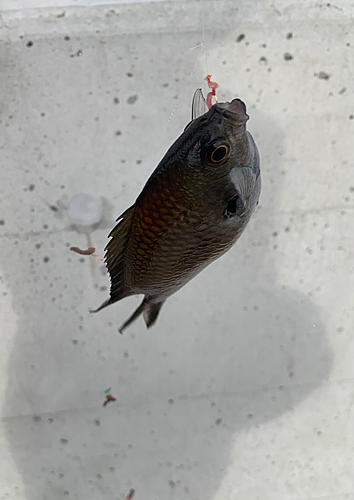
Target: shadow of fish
x=191, y=211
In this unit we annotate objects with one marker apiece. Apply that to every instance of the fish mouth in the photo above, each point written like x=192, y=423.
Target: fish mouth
x=234, y=110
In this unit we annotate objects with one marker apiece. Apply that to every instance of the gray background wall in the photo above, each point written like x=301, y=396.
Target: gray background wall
x=244, y=388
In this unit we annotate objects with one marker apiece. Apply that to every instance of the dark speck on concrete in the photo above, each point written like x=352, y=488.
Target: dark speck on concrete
x=29, y=43
x=62, y=14
x=138, y=162
x=2, y=222
x=54, y=208
x=116, y=100
x=240, y=37
x=130, y=74
x=289, y=35
x=322, y=75
x=351, y=117
x=165, y=85
x=31, y=187
x=342, y=90
x=288, y=57
x=37, y=418
x=66, y=38
x=263, y=61
x=46, y=259
x=132, y=99
x=78, y=54
x=64, y=441
x=119, y=132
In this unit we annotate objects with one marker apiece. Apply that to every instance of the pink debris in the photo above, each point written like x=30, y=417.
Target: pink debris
x=213, y=86
x=89, y=251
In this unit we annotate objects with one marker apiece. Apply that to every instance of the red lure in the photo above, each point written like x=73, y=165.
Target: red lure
x=213, y=86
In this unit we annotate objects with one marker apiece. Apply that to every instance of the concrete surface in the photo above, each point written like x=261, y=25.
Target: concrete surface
x=244, y=389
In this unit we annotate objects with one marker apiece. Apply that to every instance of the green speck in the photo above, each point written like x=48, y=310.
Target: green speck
x=107, y=391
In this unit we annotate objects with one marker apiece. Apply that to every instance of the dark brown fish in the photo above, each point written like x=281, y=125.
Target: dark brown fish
x=191, y=211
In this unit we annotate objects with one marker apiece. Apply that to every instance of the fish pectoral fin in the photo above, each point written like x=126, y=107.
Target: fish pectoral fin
x=244, y=180
x=115, y=255
x=150, y=312
x=199, y=106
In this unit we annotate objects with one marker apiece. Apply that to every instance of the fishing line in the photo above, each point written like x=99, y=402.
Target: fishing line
x=188, y=80
x=201, y=3
x=202, y=46
x=186, y=84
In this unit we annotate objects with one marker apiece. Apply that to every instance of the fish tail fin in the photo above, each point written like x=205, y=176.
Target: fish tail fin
x=133, y=317
x=150, y=311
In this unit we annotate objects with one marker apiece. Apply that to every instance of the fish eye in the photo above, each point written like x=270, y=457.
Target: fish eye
x=219, y=154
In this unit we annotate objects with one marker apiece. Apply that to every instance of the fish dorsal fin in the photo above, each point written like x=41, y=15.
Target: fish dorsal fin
x=199, y=106
x=115, y=255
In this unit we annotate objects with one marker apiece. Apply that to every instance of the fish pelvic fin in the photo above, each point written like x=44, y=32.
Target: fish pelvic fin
x=150, y=311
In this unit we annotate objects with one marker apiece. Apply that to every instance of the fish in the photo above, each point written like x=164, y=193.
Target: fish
x=192, y=209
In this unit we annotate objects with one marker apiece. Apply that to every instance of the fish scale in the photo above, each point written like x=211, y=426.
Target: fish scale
x=192, y=209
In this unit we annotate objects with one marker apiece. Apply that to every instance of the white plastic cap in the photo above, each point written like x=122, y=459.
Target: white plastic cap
x=85, y=211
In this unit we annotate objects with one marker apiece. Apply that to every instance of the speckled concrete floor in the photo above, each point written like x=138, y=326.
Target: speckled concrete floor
x=244, y=389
